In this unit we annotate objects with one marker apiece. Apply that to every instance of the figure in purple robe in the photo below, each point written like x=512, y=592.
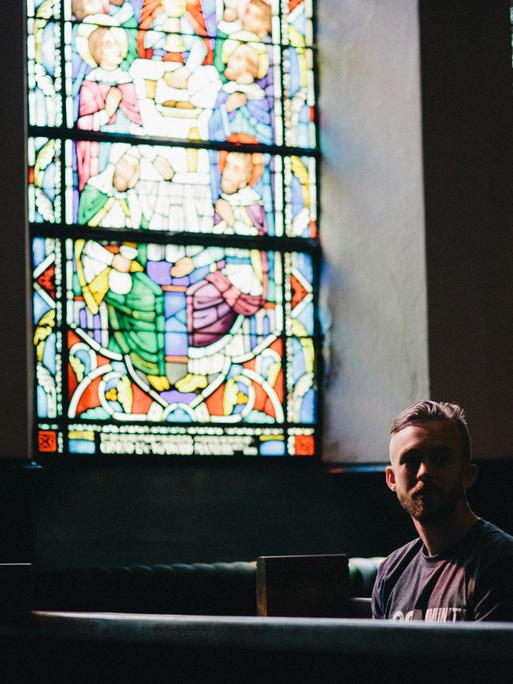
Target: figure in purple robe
x=218, y=306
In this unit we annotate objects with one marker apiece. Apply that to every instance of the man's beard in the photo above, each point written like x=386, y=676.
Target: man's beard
x=431, y=508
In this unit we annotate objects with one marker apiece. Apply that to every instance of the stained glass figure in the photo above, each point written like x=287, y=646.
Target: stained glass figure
x=194, y=329
x=245, y=102
x=175, y=189
x=195, y=120
x=246, y=191
x=107, y=98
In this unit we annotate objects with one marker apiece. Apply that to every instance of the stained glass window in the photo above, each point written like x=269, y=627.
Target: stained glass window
x=172, y=199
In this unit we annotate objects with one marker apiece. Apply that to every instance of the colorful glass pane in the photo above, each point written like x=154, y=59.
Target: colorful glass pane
x=178, y=70
x=49, y=439
x=44, y=76
x=301, y=196
x=175, y=189
x=300, y=322
x=232, y=88
x=299, y=101
x=47, y=320
x=143, y=440
x=300, y=383
x=44, y=180
x=201, y=338
x=44, y=9
x=297, y=22
x=301, y=442
x=173, y=333
x=206, y=18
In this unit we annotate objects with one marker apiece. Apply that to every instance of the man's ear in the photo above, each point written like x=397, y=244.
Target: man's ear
x=390, y=478
x=470, y=475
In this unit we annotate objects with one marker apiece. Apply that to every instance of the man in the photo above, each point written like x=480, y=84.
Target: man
x=461, y=567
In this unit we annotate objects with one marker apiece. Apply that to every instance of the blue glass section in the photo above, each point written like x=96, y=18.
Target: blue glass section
x=174, y=325
x=305, y=317
x=175, y=302
x=272, y=448
x=308, y=407
x=298, y=360
x=40, y=307
x=305, y=266
x=179, y=416
x=82, y=446
x=49, y=354
x=176, y=342
x=42, y=404
x=38, y=250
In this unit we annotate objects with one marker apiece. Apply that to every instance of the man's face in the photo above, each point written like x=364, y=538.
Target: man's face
x=427, y=470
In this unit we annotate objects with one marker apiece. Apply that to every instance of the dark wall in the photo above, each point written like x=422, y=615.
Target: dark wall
x=467, y=105
x=160, y=514
x=16, y=347
x=219, y=512
x=122, y=514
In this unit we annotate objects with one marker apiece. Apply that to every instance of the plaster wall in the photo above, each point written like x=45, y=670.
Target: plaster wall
x=372, y=222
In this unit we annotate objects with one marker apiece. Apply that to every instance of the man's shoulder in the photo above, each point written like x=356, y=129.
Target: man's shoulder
x=393, y=567
x=489, y=573
x=494, y=533
x=491, y=541
x=400, y=556
x=486, y=550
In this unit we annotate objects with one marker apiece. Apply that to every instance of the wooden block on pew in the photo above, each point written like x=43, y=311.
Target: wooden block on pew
x=15, y=589
x=302, y=586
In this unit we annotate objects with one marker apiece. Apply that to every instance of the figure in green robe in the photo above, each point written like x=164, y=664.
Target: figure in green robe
x=135, y=304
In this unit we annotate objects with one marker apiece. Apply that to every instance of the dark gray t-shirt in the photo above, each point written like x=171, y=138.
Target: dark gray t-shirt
x=472, y=581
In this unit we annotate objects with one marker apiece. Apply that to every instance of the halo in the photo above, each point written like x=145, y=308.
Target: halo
x=89, y=25
x=257, y=158
x=230, y=45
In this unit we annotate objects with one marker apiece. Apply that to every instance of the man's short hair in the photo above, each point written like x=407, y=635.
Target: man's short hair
x=427, y=410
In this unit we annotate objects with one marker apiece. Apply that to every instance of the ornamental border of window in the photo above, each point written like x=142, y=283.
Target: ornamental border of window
x=57, y=433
